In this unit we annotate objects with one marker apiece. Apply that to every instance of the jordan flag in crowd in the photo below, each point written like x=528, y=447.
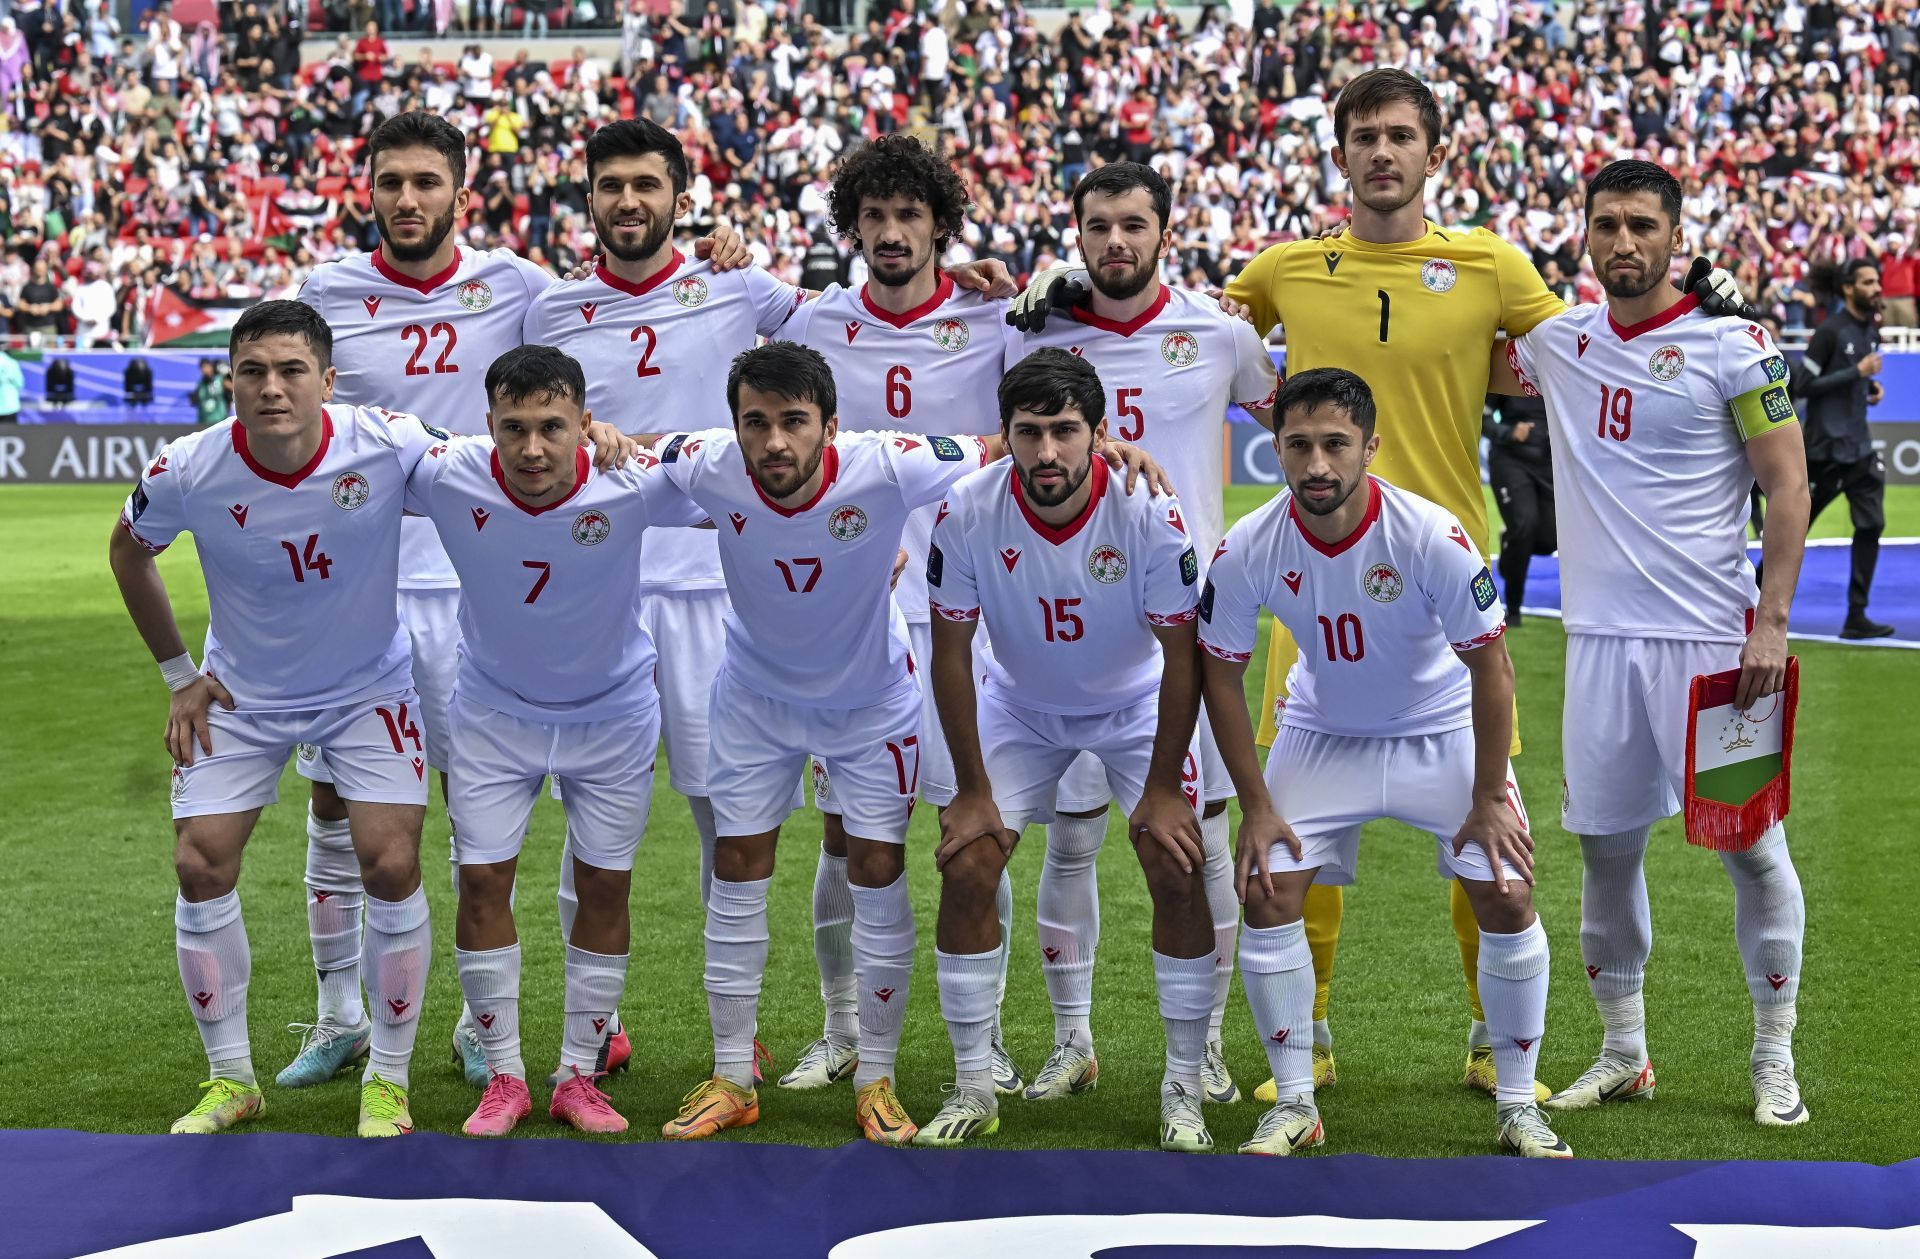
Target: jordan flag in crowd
x=187, y=322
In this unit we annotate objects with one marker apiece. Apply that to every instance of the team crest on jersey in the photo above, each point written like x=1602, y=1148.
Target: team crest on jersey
x=952, y=335
x=1667, y=362
x=1180, y=349
x=591, y=527
x=1107, y=564
x=351, y=491
x=475, y=294
x=1438, y=275
x=846, y=523
x=1382, y=583
x=690, y=292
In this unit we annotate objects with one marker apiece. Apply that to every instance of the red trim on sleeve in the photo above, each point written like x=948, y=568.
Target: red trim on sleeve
x=1359, y=530
x=1129, y=327
x=1176, y=618
x=1661, y=320
x=582, y=468
x=1481, y=640
x=145, y=545
x=941, y=292
x=1238, y=657
x=645, y=286
x=955, y=614
x=389, y=272
x=1097, y=478
x=289, y=480
x=829, y=461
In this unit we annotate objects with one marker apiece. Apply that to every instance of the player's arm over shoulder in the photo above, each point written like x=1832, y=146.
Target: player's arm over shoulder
x=1752, y=378
x=1513, y=365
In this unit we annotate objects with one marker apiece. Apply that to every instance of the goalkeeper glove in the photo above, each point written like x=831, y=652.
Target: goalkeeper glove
x=1054, y=289
x=1717, y=292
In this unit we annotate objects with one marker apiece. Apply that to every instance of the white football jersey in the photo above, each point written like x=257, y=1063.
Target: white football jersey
x=300, y=567
x=811, y=621
x=1650, y=473
x=1379, y=615
x=549, y=596
x=933, y=370
x=656, y=356
x=1170, y=375
x=1071, y=609
x=424, y=347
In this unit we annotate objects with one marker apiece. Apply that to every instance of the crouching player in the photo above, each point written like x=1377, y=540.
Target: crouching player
x=1090, y=597
x=555, y=678
x=295, y=509
x=1401, y=707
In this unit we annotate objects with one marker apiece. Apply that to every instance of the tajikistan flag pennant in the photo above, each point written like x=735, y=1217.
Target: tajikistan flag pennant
x=1738, y=760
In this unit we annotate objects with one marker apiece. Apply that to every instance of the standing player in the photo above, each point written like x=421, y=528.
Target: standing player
x=295, y=509
x=1663, y=418
x=1173, y=361
x=544, y=546
x=1107, y=666
x=1401, y=707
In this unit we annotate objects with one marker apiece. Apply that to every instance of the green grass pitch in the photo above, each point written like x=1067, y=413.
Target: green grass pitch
x=94, y=1036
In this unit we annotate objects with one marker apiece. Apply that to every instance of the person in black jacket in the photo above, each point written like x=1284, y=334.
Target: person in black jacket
x=1837, y=383
x=1521, y=470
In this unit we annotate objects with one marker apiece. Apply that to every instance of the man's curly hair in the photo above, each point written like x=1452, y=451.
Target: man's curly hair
x=897, y=165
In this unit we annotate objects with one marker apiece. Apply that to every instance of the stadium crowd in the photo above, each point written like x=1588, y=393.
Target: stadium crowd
x=210, y=161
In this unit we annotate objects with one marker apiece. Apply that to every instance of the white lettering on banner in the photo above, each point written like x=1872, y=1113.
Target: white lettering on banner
x=1084, y=1236
x=67, y=460
x=321, y=1226
x=11, y=468
x=1250, y=459
x=1774, y=1241
x=1902, y=456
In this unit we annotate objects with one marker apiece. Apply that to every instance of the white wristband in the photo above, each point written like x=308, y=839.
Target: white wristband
x=180, y=671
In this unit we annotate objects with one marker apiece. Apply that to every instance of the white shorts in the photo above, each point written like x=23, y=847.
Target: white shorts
x=432, y=618
x=375, y=747
x=1623, y=729
x=759, y=747
x=498, y=763
x=1083, y=788
x=688, y=628
x=1027, y=751
x=1326, y=785
x=936, y=760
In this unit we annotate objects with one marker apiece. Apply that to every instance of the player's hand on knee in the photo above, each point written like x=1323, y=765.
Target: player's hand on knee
x=1497, y=828
x=1054, y=289
x=611, y=447
x=1260, y=829
x=724, y=249
x=1763, y=666
x=1136, y=463
x=985, y=275
x=187, y=722
x=1165, y=818
x=972, y=816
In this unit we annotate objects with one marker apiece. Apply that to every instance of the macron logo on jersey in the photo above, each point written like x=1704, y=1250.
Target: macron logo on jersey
x=480, y=517
x=739, y=522
x=587, y=309
x=1291, y=578
x=1173, y=518
x=943, y=514
x=239, y=513
x=1759, y=337
x=159, y=466
x=853, y=330
x=1582, y=351
x=1459, y=536
x=1009, y=556
x=372, y=304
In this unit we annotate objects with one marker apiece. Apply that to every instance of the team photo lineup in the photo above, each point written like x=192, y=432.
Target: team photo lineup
x=957, y=539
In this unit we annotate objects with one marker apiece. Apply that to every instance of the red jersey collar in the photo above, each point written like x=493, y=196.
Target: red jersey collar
x=941, y=292
x=1097, y=479
x=645, y=286
x=1628, y=332
x=1132, y=325
x=286, y=479
x=432, y=282
x=582, y=468
x=1359, y=530
x=830, y=466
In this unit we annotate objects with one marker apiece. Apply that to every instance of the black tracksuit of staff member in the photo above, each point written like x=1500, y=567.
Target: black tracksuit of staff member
x=1520, y=467
x=1837, y=385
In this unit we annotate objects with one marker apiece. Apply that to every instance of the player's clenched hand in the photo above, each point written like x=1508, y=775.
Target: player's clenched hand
x=985, y=275
x=899, y=566
x=724, y=249
x=1165, y=818
x=1056, y=288
x=1763, y=666
x=187, y=722
x=1496, y=827
x=611, y=447
x=1260, y=829
x=972, y=816
x=1136, y=463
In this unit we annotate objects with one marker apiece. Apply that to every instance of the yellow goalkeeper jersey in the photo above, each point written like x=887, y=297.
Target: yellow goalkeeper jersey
x=1417, y=321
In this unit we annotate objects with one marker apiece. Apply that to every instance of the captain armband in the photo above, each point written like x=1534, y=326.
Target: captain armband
x=1761, y=410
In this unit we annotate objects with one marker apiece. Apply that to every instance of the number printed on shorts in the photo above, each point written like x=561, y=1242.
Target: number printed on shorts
x=1616, y=413
x=1062, y=624
x=422, y=338
x=312, y=557
x=1342, y=637
x=400, y=726
x=807, y=567
x=909, y=779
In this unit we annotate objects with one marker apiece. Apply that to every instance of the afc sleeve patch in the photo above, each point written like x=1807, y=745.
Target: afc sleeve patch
x=138, y=504
x=1761, y=410
x=1776, y=369
x=1189, y=567
x=672, y=453
x=936, y=565
x=440, y=433
x=1206, y=601
x=946, y=449
x=1483, y=592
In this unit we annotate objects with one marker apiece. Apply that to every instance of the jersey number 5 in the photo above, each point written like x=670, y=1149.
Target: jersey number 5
x=1133, y=422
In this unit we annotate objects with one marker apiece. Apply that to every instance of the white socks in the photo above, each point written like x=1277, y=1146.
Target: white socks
x=833, y=948
x=969, y=986
x=335, y=899
x=1276, y=968
x=594, y=984
x=1224, y=907
x=490, y=980
x=399, y=947
x=1513, y=991
x=883, y=939
x=1003, y=909
x=1616, y=935
x=736, y=963
x=1186, y=987
x=1770, y=919
x=215, y=965
x=1068, y=910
